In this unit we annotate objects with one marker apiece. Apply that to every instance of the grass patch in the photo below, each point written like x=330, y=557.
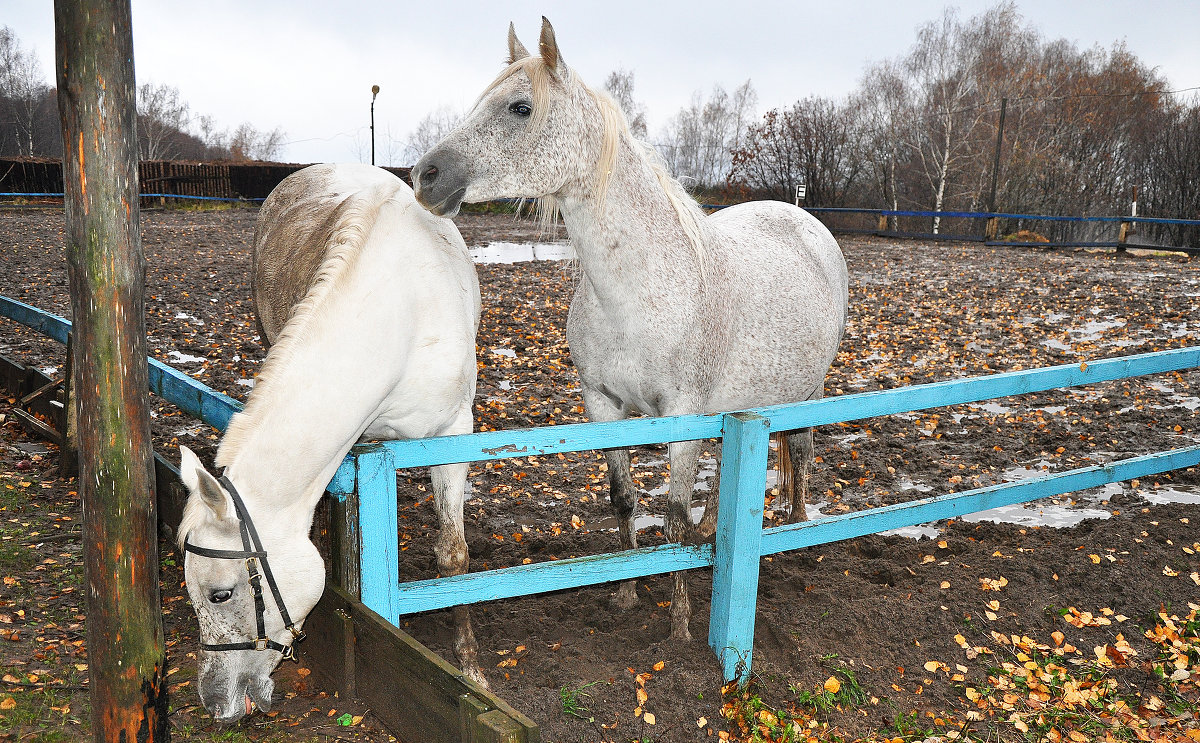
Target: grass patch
x=572, y=701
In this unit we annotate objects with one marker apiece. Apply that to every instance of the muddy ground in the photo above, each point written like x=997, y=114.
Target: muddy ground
x=871, y=612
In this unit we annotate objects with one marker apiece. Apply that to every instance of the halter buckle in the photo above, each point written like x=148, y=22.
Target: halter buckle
x=297, y=634
x=261, y=643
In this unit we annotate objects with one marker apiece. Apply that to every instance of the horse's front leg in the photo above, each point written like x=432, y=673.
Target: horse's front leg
x=449, y=491
x=684, y=458
x=623, y=495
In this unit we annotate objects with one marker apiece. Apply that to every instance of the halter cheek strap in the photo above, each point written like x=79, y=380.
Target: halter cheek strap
x=253, y=553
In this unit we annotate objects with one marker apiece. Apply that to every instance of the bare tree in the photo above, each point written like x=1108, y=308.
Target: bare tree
x=698, y=142
x=248, y=143
x=162, y=115
x=619, y=85
x=885, y=112
x=24, y=87
x=431, y=130
x=816, y=142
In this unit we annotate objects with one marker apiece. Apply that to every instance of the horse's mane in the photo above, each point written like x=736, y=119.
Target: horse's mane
x=615, y=127
x=343, y=242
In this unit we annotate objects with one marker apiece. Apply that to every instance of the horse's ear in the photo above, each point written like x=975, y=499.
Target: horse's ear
x=548, y=48
x=516, y=50
x=199, y=482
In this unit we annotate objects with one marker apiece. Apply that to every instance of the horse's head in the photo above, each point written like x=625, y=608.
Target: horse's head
x=534, y=131
x=251, y=582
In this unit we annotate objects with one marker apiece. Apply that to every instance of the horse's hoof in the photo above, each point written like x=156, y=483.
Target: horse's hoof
x=679, y=631
x=476, y=675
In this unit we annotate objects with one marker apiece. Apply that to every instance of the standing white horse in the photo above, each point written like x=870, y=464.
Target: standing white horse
x=372, y=304
x=676, y=312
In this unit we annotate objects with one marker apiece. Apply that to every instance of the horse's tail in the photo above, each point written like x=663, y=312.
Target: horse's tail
x=787, y=471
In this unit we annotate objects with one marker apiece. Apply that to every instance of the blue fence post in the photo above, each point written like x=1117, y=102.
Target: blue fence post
x=739, y=541
x=378, y=531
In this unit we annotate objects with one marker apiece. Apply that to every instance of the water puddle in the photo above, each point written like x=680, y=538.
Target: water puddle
x=183, y=358
x=502, y=252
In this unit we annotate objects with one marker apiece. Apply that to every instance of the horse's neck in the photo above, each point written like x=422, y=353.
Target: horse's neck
x=306, y=416
x=631, y=244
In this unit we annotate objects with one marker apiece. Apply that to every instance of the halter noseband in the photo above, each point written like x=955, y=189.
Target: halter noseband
x=253, y=553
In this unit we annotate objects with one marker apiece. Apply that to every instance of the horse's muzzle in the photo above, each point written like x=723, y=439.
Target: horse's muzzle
x=440, y=182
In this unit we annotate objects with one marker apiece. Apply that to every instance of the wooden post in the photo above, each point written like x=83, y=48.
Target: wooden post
x=379, y=533
x=991, y=227
x=739, y=541
x=883, y=223
x=126, y=651
x=345, y=547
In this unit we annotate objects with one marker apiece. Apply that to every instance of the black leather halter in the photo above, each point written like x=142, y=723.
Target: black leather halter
x=253, y=553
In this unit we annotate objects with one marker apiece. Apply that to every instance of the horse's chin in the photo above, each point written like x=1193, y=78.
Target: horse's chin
x=255, y=697
x=447, y=207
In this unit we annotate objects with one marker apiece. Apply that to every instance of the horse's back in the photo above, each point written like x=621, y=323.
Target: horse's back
x=786, y=275
x=784, y=235
x=296, y=225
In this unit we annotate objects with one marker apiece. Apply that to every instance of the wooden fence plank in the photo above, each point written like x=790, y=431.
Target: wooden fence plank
x=379, y=532
x=738, y=543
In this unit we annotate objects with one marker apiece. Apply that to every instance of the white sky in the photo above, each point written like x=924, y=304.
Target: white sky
x=308, y=67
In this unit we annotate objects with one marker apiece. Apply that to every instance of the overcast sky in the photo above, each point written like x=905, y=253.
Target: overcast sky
x=307, y=66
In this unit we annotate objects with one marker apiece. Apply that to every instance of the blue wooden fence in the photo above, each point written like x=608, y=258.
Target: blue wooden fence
x=370, y=472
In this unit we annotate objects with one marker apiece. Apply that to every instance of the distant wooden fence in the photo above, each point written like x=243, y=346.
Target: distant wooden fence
x=1017, y=230
x=251, y=181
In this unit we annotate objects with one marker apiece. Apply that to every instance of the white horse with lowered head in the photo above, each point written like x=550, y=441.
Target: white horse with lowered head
x=676, y=312
x=372, y=306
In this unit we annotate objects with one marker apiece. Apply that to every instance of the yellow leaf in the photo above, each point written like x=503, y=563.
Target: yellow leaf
x=832, y=685
x=11, y=679
x=1094, y=558
x=8, y=703
x=649, y=718
x=701, y=722
x=642, y=696
x=1167, y=571
x=356, y=719
x=931, y=665
x=945, y=584
x=659, y=665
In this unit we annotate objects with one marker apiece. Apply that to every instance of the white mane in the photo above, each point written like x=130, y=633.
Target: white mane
x=342, y=247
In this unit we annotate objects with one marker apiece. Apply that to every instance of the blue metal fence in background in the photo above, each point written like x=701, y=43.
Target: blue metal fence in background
x=369, y=473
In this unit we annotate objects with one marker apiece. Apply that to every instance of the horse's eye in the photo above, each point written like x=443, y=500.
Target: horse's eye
x=219, y=597
x=520, y=108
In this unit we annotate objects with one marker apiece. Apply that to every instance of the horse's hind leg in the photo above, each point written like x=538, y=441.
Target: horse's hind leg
x=684, y=460
x=800, y=447
x=449, y=486
x=623, y=495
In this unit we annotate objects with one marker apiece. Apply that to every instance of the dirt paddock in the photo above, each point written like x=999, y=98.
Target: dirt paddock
x=911, y=623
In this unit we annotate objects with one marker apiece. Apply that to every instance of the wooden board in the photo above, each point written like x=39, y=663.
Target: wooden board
x=419, y=696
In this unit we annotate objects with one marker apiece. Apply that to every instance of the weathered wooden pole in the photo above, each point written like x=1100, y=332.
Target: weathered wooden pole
x=126, y=652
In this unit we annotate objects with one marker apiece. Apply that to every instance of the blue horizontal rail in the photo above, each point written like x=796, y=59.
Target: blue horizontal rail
x=543, y=577
x=193, y=397
x=489, y=445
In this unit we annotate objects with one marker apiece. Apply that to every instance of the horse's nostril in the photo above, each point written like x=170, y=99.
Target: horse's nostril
x=430, y=175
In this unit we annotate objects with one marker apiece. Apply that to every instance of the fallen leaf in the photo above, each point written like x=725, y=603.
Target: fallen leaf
x=660, y=665
x=8, y=703
x=832, y=685
x=649, y=718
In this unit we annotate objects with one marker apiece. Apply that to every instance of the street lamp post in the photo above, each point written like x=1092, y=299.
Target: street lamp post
x=374, y=92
